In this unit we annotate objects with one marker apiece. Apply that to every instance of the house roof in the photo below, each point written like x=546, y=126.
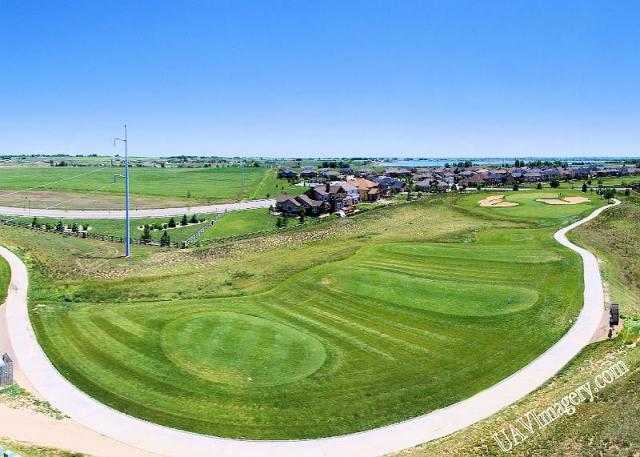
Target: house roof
x=285, y=198
x=362, y=183
x=306, y=200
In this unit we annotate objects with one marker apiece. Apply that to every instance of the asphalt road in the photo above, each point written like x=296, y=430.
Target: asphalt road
x=380, y=441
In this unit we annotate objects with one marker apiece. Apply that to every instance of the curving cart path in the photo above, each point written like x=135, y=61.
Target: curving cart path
x=134, y=213
x=167, y=441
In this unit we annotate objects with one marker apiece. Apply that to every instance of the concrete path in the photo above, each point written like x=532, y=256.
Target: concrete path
x=166, y=441
x=136, y=213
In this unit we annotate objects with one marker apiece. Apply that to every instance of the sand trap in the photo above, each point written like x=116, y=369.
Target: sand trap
x=563, y=201
x=496, y=201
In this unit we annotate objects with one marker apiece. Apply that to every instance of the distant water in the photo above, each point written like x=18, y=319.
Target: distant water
x=491, y=161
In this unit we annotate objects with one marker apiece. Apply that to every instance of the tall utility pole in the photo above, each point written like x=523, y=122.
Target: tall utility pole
x=127, y=221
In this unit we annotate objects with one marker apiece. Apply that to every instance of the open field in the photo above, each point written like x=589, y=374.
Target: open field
x=93, y=188
x=231, y=341
x=608, y=425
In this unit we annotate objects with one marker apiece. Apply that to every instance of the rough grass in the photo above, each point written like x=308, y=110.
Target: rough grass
x=311, y=333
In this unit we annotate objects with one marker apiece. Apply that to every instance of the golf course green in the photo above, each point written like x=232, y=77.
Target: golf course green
x=325, y=331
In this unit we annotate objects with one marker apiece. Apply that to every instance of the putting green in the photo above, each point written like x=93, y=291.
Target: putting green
x=239, y=349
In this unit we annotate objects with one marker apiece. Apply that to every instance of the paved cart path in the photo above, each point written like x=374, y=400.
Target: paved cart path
x=134, y=213
x=167, y=441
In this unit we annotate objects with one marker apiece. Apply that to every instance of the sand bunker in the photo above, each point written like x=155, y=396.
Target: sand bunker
x=496, y=201
x=563, y=201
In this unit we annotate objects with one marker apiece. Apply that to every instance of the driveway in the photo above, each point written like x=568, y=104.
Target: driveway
x=166, y=441
x=136, y=213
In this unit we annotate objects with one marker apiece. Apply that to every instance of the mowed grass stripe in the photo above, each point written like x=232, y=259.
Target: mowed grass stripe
x=375, y=322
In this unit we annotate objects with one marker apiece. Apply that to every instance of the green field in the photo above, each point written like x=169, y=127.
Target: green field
x=608, y=425
x=333, y=329
x=178, y=185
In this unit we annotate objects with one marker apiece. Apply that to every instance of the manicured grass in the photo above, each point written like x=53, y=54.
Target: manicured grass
x=241, y=223
x=337, y=328
x=607, y=426
x=194, y=185
x=529, y=209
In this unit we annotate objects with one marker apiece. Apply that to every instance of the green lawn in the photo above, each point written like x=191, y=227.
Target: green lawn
x=608, y=426
x=194, y=185
x=115, y=227
x=529, y=209
x=332, y=329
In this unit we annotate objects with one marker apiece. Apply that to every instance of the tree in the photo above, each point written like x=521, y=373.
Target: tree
x=584, y=187
x=627, y=192
x=301, y=214
x=516, y=186
x=554, y=183
x=146, y=234
x=34, y=222
x=171, y=223
x=279, y=222
x=184, y=220
x=165, y=240
x=74, y=227
x=539, y=186
x=59, y=226
x=194, y=219
x=608, y=193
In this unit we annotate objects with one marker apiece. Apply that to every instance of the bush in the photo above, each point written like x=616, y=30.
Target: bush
x=171, y=223
x=554, y=183
x=165, y=240
x=584, y=187
x=539, y=186
x=146, y=234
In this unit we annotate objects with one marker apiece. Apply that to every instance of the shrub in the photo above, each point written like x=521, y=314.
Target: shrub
x=165, y=240
x=584, y=187
x=554, y=183
x=171, y=223
x=184, y=220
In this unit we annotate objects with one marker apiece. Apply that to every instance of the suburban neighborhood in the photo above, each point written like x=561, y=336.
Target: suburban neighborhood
x=339, y=190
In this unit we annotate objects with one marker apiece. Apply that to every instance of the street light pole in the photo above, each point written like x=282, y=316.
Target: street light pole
x=127, y=221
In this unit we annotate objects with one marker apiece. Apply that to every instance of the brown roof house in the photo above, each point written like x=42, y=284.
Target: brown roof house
x=368, y=191
x=288, y=205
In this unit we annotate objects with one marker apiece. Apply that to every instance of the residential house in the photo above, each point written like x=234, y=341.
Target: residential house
x=287, y=173
x=312, y=207
x=368, y=191
x=389, y=185
x=288, y=205
x=308, y=173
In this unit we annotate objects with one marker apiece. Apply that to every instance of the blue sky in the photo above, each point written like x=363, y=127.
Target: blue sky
x=426, y=78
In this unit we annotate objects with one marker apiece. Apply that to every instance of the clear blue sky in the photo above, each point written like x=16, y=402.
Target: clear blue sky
x=425, y=78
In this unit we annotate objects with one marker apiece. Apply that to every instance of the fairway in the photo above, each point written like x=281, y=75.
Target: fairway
x=392, y=325
x=95, y=187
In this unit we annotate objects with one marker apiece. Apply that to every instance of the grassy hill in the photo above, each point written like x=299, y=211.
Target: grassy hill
x=328, y=330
